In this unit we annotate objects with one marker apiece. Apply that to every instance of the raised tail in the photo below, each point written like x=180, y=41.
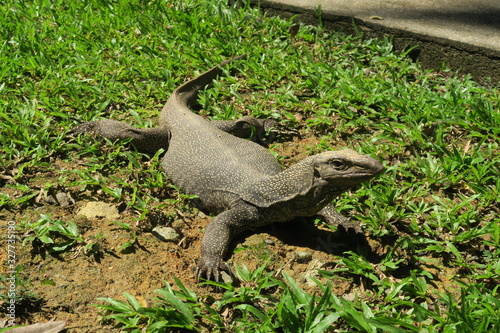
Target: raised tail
x=188, y=92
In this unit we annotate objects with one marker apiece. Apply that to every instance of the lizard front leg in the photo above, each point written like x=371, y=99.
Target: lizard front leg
x=218, y=235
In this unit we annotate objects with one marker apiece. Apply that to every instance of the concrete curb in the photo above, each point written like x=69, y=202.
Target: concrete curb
x=481, y=59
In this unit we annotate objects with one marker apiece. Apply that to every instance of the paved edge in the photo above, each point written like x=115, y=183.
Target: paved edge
x=432, y=52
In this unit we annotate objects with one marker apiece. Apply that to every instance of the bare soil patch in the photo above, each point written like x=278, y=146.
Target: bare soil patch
x=65, y=286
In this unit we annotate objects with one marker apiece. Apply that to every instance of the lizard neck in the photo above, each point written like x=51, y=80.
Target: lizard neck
x=297, y=181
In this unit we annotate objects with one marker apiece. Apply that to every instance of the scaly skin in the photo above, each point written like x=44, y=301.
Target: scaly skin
x=236, y=178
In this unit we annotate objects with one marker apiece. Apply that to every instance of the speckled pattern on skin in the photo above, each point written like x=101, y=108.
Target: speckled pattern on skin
x=236, y=178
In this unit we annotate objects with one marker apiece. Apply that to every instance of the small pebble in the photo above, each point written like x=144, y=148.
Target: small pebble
x=99, y=210
x=303, y=256
x=226, y=278
x=166, y=234
x=63, y=199
x=269, y=241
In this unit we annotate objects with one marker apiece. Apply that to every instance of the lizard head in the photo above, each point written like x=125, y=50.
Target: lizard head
x=345, y=168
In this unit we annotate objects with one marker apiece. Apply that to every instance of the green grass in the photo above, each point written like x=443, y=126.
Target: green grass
x=435, y=209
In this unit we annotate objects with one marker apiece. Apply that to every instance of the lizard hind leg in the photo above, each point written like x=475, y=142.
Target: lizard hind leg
x=262, y=131
x=147, y=140
x=247, y=127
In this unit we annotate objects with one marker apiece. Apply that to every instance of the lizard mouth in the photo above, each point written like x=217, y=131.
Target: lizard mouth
x=364, y=175
x=369, y=173
x=353, y=179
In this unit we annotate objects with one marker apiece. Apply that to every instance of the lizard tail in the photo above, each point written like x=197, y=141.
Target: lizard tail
x=188, y=92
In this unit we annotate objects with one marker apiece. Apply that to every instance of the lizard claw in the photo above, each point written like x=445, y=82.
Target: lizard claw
x=351, y=226
x=334, y=218
x=348, y=225
x=211, y=270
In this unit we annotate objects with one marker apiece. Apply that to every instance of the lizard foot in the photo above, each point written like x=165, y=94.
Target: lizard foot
x=350, y=226
x=332, y=217
x=211, y=270
x=336, y=219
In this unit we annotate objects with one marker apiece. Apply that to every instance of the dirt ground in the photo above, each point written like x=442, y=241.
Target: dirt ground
x=64, y=287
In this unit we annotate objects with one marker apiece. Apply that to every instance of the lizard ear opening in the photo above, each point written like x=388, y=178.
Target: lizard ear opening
x=323, y=170
x=317, y=173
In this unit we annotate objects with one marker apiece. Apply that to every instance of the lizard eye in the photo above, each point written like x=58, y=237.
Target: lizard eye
x=338, y=165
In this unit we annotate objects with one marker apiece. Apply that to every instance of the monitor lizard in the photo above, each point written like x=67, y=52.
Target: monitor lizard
x=235, y=178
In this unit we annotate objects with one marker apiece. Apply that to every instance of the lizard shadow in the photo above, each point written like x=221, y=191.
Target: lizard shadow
x=301, y=232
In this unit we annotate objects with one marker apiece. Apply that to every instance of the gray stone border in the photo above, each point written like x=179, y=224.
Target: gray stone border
x=481, y=63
